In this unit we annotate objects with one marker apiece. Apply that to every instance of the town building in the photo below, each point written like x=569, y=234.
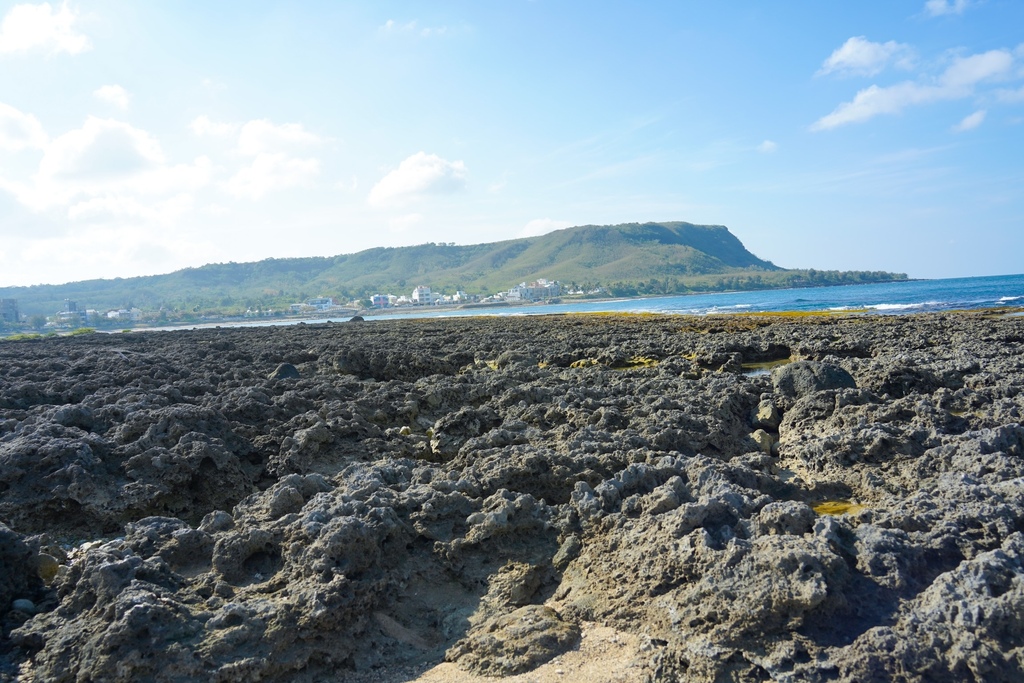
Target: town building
x=535, y=291
x=317, y=304
x=422, y=295
x=132, y=314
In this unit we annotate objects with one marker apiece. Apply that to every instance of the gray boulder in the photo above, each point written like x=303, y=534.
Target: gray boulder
x=802, y=378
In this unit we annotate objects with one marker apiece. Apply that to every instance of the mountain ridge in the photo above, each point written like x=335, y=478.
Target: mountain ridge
x=641, y=258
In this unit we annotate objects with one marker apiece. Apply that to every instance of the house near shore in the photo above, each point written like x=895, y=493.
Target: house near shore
x=320, y=304
x=535, y=291
x=131, y=314
x=423, y=296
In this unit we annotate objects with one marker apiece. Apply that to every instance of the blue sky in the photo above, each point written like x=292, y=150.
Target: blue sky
x=142, y=137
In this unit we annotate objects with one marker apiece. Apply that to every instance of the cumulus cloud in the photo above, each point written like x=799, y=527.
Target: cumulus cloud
x=19, y=130
x=103, y=209
x=970, y=122
x=97, y=250
x=767, y=147
x=859, y=56
x=405, y=222
x=419, y=175
x=102, y=148
x=542, y=226
x=261, y=136
x=109, y=160
x=958, y=81
x=273, y=152
x=269, y=172
x=938, y=8
x=113, y=94
x=202, y=125
x=26, y=28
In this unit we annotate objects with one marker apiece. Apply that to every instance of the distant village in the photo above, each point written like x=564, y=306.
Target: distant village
x=539, y=290
x=73, y=316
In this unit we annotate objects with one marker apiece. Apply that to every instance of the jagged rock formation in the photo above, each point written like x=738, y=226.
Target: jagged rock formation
x=284, y=503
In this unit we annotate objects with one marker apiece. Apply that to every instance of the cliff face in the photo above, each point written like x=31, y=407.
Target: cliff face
x=318, y=502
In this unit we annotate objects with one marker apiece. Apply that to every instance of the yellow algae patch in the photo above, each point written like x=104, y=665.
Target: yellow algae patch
x=616, y=314
x=837, y=507
x=800, y=314
x=492, y=364
x=636, y=362
x=583, y=363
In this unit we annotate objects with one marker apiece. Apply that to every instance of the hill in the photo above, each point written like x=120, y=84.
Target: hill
x=634, y=258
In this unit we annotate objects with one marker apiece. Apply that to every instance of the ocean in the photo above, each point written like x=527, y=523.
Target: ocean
x=913, y=296
x=892, y=298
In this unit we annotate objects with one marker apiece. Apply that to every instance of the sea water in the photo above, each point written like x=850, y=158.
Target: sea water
x=910, y=296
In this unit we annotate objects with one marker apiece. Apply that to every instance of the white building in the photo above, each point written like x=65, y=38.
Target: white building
x=124, y=314
x=321, y=303
x=540, y=289
x=422, y=295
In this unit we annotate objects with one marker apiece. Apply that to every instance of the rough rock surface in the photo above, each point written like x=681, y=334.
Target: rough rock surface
x=295, y=503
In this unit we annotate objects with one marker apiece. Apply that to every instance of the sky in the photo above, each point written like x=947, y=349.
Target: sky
x=143, y=137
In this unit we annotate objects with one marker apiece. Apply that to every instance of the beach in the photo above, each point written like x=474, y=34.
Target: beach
x=589, y=497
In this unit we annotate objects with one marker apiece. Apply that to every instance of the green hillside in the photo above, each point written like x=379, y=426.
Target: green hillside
x=634, y=258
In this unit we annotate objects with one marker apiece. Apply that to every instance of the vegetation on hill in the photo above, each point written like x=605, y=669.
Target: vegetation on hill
x=630, y=259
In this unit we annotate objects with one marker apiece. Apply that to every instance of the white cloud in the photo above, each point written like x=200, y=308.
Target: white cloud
x=19, y=130
x=859, y=56
x=405, y=222
x=260, y=136
x=41, y=27
x=965, y=72
x=269, y=172
x=272, y=151
x=97, y=250
x=418, y=175
x=202, y=125
x=109, y=160
x=102, y=148
x=957, y=82
x=542, y=226
x=767, y=147
x=970, y=122
x=1011, y=96
x=874, y=100
x=113, y=94
x=103, y=209
x=937, y=8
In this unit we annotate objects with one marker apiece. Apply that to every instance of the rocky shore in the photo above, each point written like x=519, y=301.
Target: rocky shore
x=741, y=498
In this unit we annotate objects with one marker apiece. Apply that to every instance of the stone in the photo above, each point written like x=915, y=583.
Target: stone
x=285, y=371
x=24, y=605
x=801, y=378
